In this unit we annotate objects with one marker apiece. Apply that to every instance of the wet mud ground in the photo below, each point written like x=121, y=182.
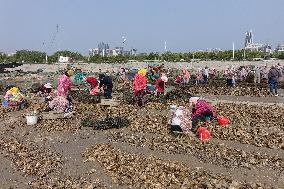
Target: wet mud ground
x=80, y=157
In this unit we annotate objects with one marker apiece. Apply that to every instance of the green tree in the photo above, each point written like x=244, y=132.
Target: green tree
x=29, y=56
x=74, y=55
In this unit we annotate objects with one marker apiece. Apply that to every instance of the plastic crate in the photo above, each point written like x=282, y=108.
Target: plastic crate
x=109, y=102
x=52, y=115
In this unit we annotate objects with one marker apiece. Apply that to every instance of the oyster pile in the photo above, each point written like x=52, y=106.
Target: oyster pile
x=107, y=123
x=84, y=96
x=30, y=159
x=42, y=166
x=138, y=171
x=250, y=124
x=237, y=91
x=210, y=152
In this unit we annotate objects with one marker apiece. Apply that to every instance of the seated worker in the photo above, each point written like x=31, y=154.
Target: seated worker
x=180, y=120
x=44, y=90
x=201, y=111
x=14, y=98
x=60, y=104
x=106, y=83
x=94, y=85
x=178, y=79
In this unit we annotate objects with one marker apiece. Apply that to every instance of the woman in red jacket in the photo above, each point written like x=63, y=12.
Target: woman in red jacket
x=139, y=86
x=94, y=85
x=161, y=84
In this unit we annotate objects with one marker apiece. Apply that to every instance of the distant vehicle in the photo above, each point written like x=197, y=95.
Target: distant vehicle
x=63, y=59
x=257, y=59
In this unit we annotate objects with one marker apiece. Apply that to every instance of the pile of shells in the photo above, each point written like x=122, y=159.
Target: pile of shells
x=209, y=152
x=236, y=91
x=84, y=96
x=149, y=123
x=137, y=171
x=59, y=124
x=244, y=114
x=30, y=159
x=107, y=123
x=254, y=136
x=257, y=125
x=3, y=112
x=43, y=166
x=178, y=94
x=59, y=180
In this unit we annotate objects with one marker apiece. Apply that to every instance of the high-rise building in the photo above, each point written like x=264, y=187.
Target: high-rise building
x=93, y=52
x=251, y=46
x=118, y=50
x=103, y=49
x=133, y=52
x=280, y=48
x=248, y=38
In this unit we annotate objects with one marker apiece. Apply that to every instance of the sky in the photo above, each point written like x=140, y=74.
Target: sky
x=186, y=25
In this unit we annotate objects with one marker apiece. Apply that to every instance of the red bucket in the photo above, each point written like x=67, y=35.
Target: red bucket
x=223, y=121
x=204, y=134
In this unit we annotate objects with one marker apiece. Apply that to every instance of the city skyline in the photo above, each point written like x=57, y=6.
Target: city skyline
x=146, y=26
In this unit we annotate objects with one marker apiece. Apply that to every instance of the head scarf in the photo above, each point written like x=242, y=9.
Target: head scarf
x=14, y=90
x=193, y=100
x=48, y=86
x=164, y=78
x=70, y=72
x=142, y=71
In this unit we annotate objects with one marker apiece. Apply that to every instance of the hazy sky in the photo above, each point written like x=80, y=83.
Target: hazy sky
x=184, y=24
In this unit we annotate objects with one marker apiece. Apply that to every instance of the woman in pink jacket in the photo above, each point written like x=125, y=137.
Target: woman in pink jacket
x=139, y=86
x=64, y=84
x=201, y=111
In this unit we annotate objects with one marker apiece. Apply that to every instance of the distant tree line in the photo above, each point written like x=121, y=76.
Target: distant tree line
x=27, y=56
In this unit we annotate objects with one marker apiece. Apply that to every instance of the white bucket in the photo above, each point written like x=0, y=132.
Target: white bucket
x=173, y=108
x=31, y=119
